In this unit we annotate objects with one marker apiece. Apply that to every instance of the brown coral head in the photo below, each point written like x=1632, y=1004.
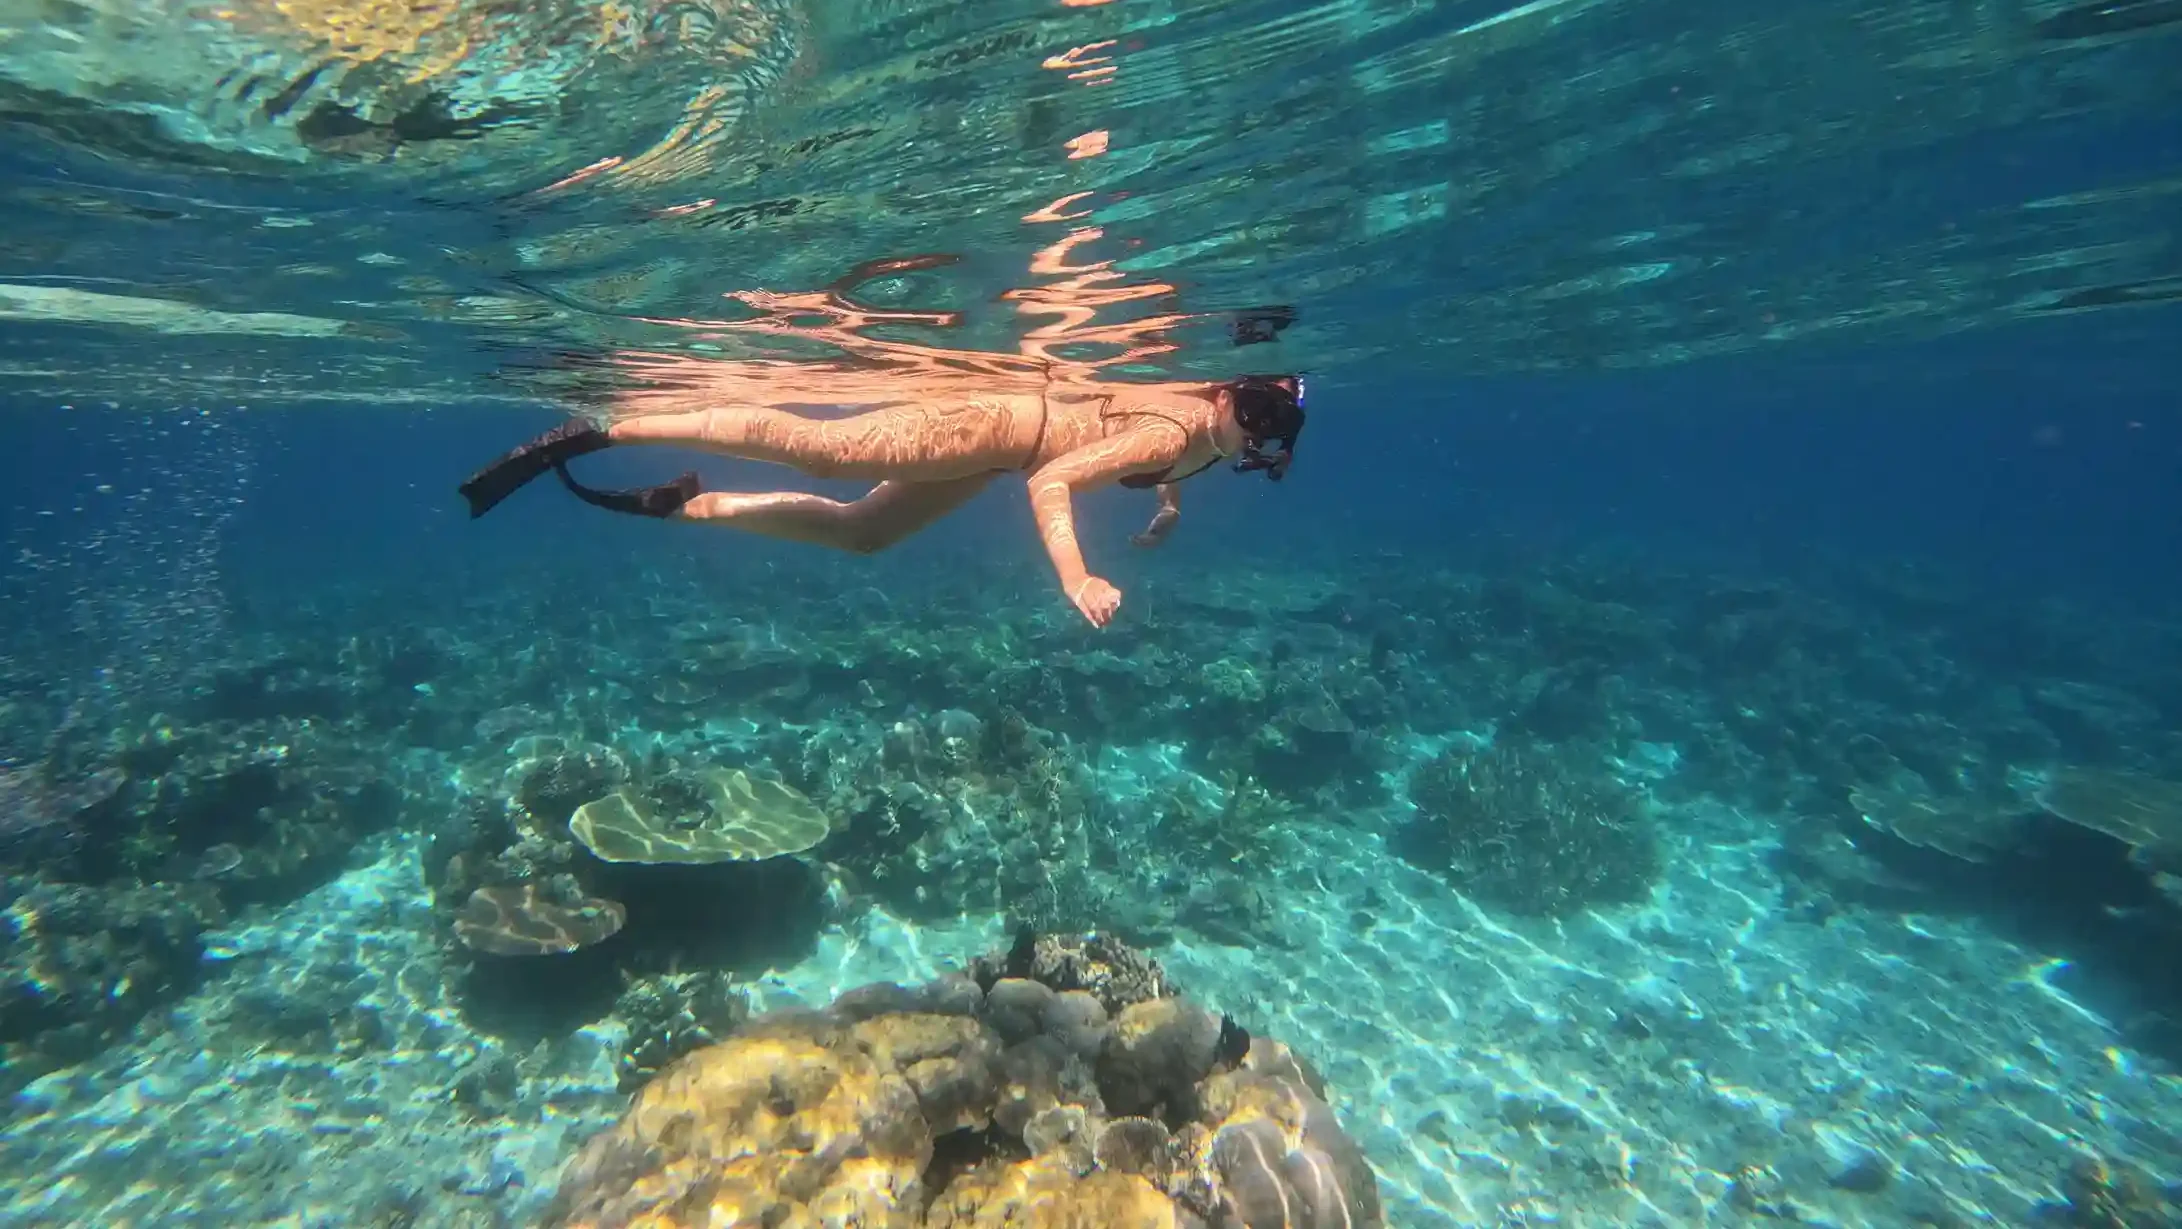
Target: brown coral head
x=1111, y=971
x=741, y=819
x=1267, y=1183
x=1136, y=1146
x=1055, y=1128
x=515, y=920
x=903, y=1107
x=1275, y=1059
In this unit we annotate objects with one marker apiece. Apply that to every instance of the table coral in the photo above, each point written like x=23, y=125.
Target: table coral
x=725, y=816
x=520, y=920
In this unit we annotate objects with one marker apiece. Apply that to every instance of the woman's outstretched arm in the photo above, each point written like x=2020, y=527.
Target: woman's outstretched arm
x=1052, y=501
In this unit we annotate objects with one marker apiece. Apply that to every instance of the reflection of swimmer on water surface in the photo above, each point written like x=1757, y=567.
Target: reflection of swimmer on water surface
x=932, y=442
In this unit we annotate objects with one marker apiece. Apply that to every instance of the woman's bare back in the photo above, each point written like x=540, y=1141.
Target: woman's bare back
x=1173, y=423
x=939, y=432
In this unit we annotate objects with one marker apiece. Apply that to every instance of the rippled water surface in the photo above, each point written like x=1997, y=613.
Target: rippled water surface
x=303, y=199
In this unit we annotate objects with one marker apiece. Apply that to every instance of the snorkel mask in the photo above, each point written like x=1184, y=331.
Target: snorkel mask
x=1268, y=410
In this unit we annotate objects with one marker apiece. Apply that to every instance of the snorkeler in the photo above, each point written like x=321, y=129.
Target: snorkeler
x=930, y=452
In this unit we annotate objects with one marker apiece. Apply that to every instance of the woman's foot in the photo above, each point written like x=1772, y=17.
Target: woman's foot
x=574, y=438
x=663, y=500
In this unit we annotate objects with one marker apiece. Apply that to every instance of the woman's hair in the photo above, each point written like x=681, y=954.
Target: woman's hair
x=1269, y=407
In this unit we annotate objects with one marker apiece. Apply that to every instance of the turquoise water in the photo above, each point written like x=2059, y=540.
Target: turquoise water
x=1695, y=740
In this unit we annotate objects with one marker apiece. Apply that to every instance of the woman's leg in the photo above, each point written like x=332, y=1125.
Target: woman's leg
x=891, y=512
x=913, y=443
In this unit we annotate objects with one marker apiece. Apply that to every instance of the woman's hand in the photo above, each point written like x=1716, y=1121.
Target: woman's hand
x=1096, y=599
x=1156, y=532
x=1170, y=511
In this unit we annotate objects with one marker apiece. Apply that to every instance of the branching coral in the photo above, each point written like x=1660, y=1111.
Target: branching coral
x=671, y=1014
x=551, y=777
x=1242, y=831
x=955, y=811
x=1514, y=827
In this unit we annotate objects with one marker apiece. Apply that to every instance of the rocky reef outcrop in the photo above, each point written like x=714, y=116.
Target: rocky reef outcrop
x=1063, y=1083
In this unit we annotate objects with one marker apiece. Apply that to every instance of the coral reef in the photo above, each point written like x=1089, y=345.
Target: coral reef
x=1110, y=971
x=670, y=1014
x=1151, y=783
x=135, y=839
x=522, y=920
x=1922, y=891
x=981, y=1103
x=715, y=816
x=84, y=963
x=1515, y=828
x=31, y=802
x=2144, y=813
x=668, y=863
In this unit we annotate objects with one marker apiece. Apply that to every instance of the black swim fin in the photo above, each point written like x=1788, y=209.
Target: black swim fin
x=574, y=438
x=663, y=500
